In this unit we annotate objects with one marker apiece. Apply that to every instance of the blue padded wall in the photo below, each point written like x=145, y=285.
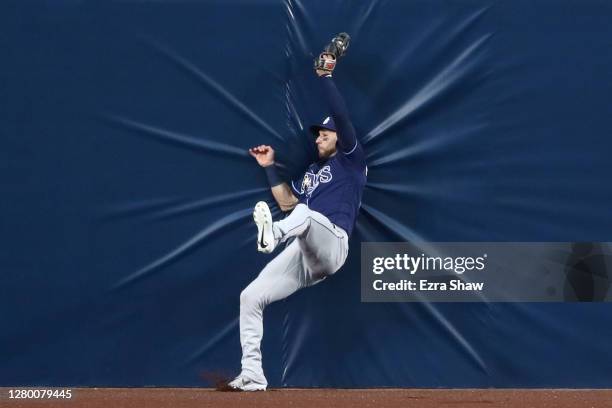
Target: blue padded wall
x=126, y=230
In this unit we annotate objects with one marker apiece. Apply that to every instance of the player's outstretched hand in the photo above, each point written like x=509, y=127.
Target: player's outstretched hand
x=264, y=155
x=330, y=61
x=326, y=62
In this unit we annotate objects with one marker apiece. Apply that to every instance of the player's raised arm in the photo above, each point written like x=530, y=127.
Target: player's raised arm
x=347, y=138
x=324, y=66
x=281, y=191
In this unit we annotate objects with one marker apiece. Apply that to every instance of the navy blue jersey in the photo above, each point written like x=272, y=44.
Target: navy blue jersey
x=334, y=187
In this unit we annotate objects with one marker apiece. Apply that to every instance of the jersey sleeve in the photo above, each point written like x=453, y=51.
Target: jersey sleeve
x=296, y=188
x=347, y=138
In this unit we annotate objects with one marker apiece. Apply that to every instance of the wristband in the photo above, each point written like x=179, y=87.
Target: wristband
x=273, y=177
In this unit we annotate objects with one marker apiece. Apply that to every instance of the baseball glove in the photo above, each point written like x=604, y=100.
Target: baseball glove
x=335, y=49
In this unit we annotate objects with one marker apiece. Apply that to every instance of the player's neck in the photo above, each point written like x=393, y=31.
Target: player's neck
x=326, y=158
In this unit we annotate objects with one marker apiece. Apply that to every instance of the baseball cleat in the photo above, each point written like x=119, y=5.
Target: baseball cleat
x=263, y=219
x=243, y=383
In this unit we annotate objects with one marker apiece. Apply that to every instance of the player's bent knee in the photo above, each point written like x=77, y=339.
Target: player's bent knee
x=246, y=297
x=249, y=299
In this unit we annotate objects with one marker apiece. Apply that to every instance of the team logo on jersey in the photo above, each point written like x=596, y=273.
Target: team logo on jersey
x=324, y=174
x=311, y=180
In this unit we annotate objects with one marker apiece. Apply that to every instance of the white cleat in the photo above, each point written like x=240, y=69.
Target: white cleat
x=263, y=220
x=243, y=383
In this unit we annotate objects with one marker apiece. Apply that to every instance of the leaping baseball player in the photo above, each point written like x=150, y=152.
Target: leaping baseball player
x=325, y=204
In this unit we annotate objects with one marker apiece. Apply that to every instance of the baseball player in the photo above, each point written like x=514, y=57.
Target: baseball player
x=325, y=204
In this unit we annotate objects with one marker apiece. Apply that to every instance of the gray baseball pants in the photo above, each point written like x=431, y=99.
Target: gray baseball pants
x=319, y=250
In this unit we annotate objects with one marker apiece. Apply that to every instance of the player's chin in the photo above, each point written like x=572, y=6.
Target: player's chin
x=324, y=154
